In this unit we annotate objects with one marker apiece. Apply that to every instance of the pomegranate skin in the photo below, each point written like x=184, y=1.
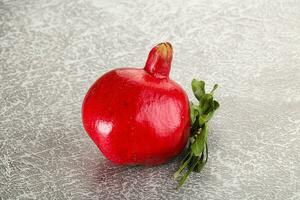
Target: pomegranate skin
x=137, y=118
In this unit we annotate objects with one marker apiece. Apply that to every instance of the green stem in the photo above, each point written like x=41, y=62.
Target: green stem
x=186, y=175
x=184, y=165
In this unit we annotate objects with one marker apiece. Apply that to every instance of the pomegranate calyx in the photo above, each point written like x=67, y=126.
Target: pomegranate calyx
x=159, y=60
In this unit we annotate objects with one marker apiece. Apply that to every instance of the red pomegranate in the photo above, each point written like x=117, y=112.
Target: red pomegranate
x=138, y=116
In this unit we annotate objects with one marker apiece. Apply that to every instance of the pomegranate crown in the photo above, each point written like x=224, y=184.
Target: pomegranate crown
x=159, y=60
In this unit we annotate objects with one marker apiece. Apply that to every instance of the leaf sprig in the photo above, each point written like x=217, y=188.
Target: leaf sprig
x=196, y=155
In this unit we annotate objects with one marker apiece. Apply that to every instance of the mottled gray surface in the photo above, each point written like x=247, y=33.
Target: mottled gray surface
x=52, y=51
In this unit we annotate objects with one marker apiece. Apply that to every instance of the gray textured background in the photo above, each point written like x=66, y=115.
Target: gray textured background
x=52, y=51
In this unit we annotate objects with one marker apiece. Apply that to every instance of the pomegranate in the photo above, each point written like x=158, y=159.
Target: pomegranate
x=138, y=116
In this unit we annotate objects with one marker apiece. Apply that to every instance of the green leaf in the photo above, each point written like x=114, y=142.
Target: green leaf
x=214, y=88
x=206, y=151
x=199, y=167
x=209, y=115
x=198, y=145
x=198, y=88
x=193, y=113
x=205, y=118
x=208, y=102
x=204, y=131
x=202, y=102
x=216, y=105
x=202, y=120
x=201, y=161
